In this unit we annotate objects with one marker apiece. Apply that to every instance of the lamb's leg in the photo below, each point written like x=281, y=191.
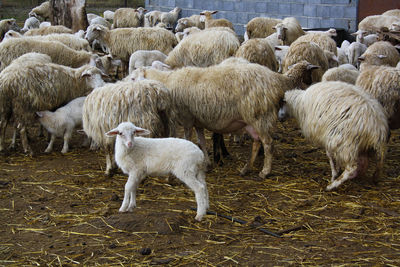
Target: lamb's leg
x=334, y=168
x=267, y=143
x=349, y=173
x=254, y=151
x=199, y=188
x=24, y=140
x=67, y=137
x=129, y=202
x=51, y=143
x=202, y=141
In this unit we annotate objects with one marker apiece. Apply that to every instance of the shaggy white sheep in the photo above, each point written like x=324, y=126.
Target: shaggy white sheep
x=260, y=27
x=62, y=122
x=354, y=51
x=289, y=30
x=128, y=17
x=43, y=11
x=192, y=21
x=380, y=53
x=341, y=74
x=170, y=18
x=346, y=122
x=139, y=157
x=6, y=25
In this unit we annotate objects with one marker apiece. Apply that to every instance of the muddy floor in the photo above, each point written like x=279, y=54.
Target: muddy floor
x=60, y=210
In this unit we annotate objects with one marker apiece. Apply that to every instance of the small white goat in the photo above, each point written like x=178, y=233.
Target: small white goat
x=139, y=157
x=62, y=122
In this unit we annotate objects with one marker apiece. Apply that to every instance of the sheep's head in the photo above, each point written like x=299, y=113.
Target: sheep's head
x=280, y=31
x=181, y=24
x=141, y=12
x=93, y=76
x=125, y=133
x=301, y=73
x=207, y=15
x=95, y=32
x=9, y=24
x=11, y=34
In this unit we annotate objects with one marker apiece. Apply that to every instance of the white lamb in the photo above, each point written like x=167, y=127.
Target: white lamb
x=62, y=122
x=139, y=157
x=142, y=58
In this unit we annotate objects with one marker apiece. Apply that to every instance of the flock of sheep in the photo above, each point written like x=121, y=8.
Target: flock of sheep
x=194, y=72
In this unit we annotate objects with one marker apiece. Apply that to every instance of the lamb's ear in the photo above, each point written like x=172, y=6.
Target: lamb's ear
x=86, y=73
x=141, y=131
x=39, y=114
x=112, y=132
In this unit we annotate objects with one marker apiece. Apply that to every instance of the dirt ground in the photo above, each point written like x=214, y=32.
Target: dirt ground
x=61, y=210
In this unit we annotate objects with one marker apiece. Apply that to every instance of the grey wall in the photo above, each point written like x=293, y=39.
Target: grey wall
x=310, y=13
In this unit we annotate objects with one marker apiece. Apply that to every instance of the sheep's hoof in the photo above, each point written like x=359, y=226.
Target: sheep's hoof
x=198, y=217
x=331, y=187
x=64, y=151
x=264, y=175
x=48, y=151
x=244, y=171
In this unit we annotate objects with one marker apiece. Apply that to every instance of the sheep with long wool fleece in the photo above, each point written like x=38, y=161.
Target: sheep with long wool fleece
x=139, y=157
x=6, y=25
x=341, y=74
x=307, y=51
x=372, y=24
x=344, y=120
x=49, y=30
x=33, y=86
x=383, y=83
x=204, y=48
x=59, y=53
x=260, y=27
x=258, y=50
x=289, y=30
x=227, y=97
x=43, y=11
x=145, y=103
x=321, y=39
x=128, y=17
x=70, y=40
x=354, y=52
x=152, y=18
x=187, y=22
x=62, y=122
x=122, y=42
x=209, y=22
x=101, y=21
x=380, y=53
x=143, y=58
x=170, y=18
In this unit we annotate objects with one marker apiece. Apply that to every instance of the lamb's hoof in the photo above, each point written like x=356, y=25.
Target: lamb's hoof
x=331, y=186
x=64, y=152
x=264, y=175
x=198, y=217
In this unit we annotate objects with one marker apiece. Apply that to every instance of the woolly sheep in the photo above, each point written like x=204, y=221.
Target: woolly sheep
x=258, y=50
x=380, y=53
x=43, y=11
x=289, y=30
x=260, y=27
x=280, y=52
x=59, y=53
x=392, y=12
x=170, y=18
x=204, y=48
x=143, y=58
x=382, y=82
x=321, y=39
x=309, y=51
x=91, y=16
x=62, y=122
x=226, y=97
x=342, y=53
x=33, y=86
x=192, y=21
x=30, y=23
x=354, y=51
x=362, y=37
x=6, y=25
x=101, y=21
x=146, y=103
x=372, y=24
x=330, y=32
x=121, y=43
x=109, y=15
x=152, y=18
x=346, y=122
x=209, y=22
x=48, y=30
x=139, y=157
x=45, y=24
x=128, y=17
x=341, y=74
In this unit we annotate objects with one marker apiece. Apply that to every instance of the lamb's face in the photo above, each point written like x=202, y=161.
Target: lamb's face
x=93, y=77
x=281, y=32
x=94, y=32
x=125, y=133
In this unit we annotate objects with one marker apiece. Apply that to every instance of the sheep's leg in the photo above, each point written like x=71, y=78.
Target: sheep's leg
x=14, y=138
x=188, y=133
x=199, y=187
x=267, y=143
x=254, y=151
x=24, y=140
x=129, y=202
x=202, y=143
x=3, y=127
x=380, y=157
x=51, y=143
x=67, y=137
x=349, y=173
x=334, y=168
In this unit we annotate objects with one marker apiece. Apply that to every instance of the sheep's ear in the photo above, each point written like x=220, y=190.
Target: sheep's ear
x=39, y=114
x=312, y=67
x=141, y=131
x=202, y=13
x=278, y=48
x=112, y=133
x=361, y=58
x=354, y=33
x=382, y=56
x=214, y=12
x=86, y=73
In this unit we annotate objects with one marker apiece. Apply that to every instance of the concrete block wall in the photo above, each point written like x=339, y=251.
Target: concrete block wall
x=310, y=13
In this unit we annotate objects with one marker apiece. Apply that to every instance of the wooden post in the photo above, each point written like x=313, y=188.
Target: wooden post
x=70, y=13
